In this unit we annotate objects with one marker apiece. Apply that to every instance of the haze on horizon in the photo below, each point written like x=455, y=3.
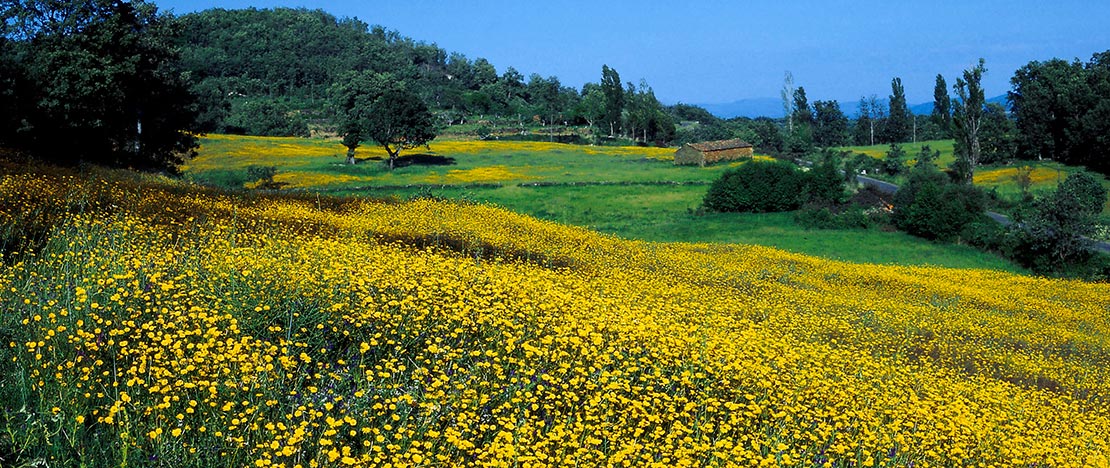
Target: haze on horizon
x=720, y=51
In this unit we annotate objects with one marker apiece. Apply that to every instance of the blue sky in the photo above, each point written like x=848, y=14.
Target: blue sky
x=721, y=51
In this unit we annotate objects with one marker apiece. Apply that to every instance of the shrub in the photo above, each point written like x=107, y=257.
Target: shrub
x=930, y=205
x=894, y=162
x=1053, y=237
x=984, y=234
x=263, y=176
x=825, y=185
x=758, y=187
x=819, y=217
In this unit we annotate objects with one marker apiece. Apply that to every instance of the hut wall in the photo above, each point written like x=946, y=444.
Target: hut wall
x=687, y=155
x=727, y=155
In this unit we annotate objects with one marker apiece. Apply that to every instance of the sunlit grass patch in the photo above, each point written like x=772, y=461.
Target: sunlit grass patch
x=485, y=174
x=946, y=148
x=223, y=152
x=297, y=179
x=1009, y=175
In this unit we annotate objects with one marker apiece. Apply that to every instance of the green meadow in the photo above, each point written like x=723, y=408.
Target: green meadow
x=947, y=152
x=631, y=192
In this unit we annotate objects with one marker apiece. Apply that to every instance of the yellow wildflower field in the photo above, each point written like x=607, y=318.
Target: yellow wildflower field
x=1008, y=175
x=150, y=322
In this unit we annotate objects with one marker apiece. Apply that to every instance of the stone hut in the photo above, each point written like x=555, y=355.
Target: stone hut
x=710, y=152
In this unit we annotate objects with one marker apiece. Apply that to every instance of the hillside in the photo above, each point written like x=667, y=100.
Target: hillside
x=151, y=321
x=629, y=191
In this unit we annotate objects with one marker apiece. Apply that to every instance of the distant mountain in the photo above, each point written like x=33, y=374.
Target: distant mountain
x=927, y=107
x=757, y=107
x=772, y=107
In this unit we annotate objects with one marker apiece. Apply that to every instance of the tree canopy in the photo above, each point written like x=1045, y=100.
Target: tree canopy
x=1062, y=111
x=399, y=120
x=94, y=81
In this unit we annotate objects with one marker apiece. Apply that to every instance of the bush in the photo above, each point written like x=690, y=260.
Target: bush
x=820, y=217
x=1052, y=238
x=930, y=205
x=985, y=234
x=894, y=163
x=758, y=187
x=825, y=185
x=263, y=176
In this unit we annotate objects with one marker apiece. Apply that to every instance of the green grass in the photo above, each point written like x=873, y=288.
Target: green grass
x=946, y=148
x=624, y=196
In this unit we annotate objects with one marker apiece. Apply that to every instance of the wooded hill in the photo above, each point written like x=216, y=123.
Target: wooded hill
x=269, y=72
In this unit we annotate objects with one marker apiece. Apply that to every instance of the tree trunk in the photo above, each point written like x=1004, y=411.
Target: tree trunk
x=350, y=155
x=392, y=156
x=973, y=159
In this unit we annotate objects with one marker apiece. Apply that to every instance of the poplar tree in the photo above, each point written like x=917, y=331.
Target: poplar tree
x=614, y=98
x=899, y=121
x=967, y=118
x=942, y=107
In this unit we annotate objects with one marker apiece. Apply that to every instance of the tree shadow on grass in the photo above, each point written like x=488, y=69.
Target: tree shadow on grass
x=423, y=160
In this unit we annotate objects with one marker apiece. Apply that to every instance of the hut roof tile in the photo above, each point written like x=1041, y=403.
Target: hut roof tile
x=721, y=145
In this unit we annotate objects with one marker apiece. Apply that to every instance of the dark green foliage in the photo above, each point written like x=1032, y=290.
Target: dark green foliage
x=299, y=57
x=799, y=141
x=693, y=113
x=1051, y=238
x=831, y=125
x=899, y=123
x=928, y=130
x=823, y=217
x=931, y=206
x=803, y=115
x=611, y=87
x=94, y=81
x=768, y=137
x=702, y=132
x=926, y=156
x=352, y=99
x=1088, y=193
x=895, y=161
x=264, y=117
x=984, y=234
x=591, y=106
x=998, y=136
x=1062, y=111
x=868, y=127
x=758, y=187
x=942, y=108
x=645, y=120
x=825, y=185
x=399, y=120
x=264, y=175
